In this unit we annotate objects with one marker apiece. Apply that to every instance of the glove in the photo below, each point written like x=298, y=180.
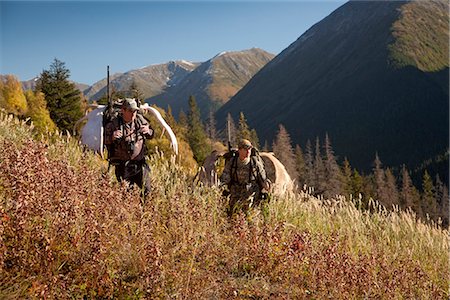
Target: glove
x=225, y=193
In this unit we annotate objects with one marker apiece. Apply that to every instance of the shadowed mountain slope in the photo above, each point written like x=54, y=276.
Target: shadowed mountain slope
x=373, y=75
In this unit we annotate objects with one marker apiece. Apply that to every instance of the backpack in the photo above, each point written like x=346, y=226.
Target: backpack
x=111, y=114
x=256, y=163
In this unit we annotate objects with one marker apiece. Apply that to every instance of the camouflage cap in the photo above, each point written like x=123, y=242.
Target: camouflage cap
x=245, y=144
x=130, y=104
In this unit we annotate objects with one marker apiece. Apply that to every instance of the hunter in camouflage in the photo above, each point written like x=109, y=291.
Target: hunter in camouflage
x=126, y=137
x=245, y=177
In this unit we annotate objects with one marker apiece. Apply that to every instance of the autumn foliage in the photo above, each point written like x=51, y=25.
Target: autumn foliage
x=69, y=230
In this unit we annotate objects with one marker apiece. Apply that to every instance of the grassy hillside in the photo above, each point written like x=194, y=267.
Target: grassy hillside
x=415, y=44
x=69, y=232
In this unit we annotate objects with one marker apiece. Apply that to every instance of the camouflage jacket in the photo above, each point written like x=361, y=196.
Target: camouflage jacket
x=240, y=173
x=132, y=144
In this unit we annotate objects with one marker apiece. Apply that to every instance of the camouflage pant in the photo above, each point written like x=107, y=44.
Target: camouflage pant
x=243, y=197
x=134, y=172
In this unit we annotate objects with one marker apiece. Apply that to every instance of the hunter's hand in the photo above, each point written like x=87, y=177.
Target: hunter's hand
x=145, y=130
x=117, y=134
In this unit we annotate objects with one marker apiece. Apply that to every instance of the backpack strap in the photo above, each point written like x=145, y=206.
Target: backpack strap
x=233, y=171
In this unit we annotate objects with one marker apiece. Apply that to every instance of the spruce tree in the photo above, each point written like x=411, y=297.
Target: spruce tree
x=64, y=101
x=428, y=196
x=197, y=136
x=243, y=129
x=135, y=92
x=442, y=199
x=319, y=170
x=211, y=126
x=309, y=165
x=347, y=179
x=333, y=175
x=408, y=193
x=230, y=131
x=300, y=166
x=170, y=119
x=357, y=183
x=254, y=138
x=282, y=148
x=379, y=180
x=183, y=124
x=369, y=188
x=391, y=196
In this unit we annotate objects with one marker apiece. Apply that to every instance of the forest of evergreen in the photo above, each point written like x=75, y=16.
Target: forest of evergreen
x=56, y=104
x=317, y=169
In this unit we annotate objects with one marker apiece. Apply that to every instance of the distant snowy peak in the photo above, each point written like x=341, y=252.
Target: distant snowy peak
x=181, y=63
x=251, y=51
x=188, y=63
x=213, y=82
x=231, y=69
x=151, y=80
x=221, y=53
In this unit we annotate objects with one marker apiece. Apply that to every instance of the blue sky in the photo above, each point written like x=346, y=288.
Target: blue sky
x=89, y=35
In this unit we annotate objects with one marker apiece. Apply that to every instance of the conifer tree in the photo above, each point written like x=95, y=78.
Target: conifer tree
x=38, y=112
x=357, y=183
x=282, y=148
x=379, y=180
x=319, y=169
x=196, y=135
x=369, y=188
x=64, y=101
x=309, y=165
x=408, y=194
x=333, y=175
x=347, y=178
x=170, y=119
x=243, y=129
x=183, y=124
x=254, y=138
x=391, y=196
x=230, y=130
x=442, y=199
x=300, y=166
x=428, y=200
x=182, y=118
x=135, y=92
x=211, y=126
x=13, y=100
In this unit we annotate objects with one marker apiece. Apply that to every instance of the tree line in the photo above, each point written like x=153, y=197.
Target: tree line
x=317, y=167
x=56, y=104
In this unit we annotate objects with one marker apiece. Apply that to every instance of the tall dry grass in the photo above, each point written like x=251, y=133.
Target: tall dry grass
x=68, y=231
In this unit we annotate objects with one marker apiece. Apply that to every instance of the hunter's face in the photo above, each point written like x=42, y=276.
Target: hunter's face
x=244, y=153
x=128, y=115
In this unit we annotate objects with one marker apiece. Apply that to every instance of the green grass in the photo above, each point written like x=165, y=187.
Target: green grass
x=67, y=232
x=422, y=36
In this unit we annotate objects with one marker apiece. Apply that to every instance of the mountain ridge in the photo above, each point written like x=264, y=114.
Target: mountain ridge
x=150, y=80
x=338, y=78
x=215, y=81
